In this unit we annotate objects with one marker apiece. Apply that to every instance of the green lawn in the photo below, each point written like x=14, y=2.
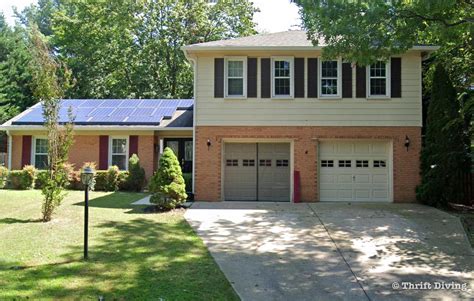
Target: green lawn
x=133, y=255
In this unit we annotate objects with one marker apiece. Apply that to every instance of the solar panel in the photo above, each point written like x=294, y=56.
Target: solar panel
x=111, y=111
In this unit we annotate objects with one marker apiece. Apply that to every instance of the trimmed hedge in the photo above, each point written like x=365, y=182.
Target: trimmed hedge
x=23, y=179
x=3, y=176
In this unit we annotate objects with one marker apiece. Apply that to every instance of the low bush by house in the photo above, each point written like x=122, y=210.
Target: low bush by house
x=112, y=179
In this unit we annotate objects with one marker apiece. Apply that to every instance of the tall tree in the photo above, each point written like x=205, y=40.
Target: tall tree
x=15, y=73
x=129, y=48
x=50, y=80
x=366, y=30
x=444, y=155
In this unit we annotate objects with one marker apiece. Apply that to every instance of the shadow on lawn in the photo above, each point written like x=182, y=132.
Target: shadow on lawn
x=117, y=200
x=11, y=220
x=138, y=259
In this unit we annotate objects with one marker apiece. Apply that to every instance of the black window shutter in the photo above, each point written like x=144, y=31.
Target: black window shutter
x=361, y=82
x=346, y=80
x=218, y=77
x=312, y=78
x=265, y=78
x=252, y=77
x=396, y=77
x=299, y=77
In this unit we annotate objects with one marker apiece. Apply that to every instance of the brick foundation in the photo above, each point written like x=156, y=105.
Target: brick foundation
x=208, y=160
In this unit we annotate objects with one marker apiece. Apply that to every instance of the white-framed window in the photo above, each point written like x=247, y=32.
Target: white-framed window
x=330, y=78
x=378, y=80
x=39, y=154
x=235, y=77
x=118, y=152
x=282, y=77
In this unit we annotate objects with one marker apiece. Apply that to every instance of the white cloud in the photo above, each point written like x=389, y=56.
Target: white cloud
x=276, y=15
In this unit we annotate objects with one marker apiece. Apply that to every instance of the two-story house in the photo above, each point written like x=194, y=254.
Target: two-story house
x=270, y=121
x=275, y=122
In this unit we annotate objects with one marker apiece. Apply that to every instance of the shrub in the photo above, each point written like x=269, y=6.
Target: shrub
x=41, y=178
x=23, y=179
x=188, y=180
x=110, y=180
x=3, y=176
x=75, y=182
x=167, y=184
x=100, y=180
x=136, y=175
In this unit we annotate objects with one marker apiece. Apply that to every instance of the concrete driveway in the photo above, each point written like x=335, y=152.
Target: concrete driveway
x=281, y=251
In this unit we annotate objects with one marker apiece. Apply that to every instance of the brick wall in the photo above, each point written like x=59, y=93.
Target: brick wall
x=208, y=160
x=86, y=149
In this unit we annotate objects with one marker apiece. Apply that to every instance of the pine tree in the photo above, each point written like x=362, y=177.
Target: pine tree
x=167, y=184
x=444, y=155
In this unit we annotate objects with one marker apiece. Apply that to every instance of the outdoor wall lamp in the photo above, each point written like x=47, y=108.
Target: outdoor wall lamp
x=208, y=143
x=87, y=176
x=407, y=142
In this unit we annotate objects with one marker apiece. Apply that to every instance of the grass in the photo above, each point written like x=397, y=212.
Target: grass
x=133, y=255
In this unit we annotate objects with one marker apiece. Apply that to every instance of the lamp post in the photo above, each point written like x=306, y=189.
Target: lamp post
x=86, y=178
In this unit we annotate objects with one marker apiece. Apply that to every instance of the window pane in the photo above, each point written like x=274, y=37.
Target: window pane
x=41, y=161
x=235, y=86
x=41, y=146
x=119, y=161
x=188, y=150
x=119, y=146
x=377, y=86
x=235, y=68
x=329, y=69
x=282, y=68
x=282, y=86
x=174, y=145
x=329, y=87
x=378, y=69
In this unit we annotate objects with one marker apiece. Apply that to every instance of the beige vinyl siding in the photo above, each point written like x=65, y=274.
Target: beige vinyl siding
x=405, y=111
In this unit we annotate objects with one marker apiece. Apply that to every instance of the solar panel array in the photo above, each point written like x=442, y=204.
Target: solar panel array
x=111, y=111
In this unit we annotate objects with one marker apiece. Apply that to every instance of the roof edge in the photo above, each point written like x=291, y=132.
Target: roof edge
x=97, y=128
x=197, y=48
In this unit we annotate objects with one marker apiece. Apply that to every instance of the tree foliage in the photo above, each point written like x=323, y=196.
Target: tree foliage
x=364, y=31
x=15, y=73
x=130, y=48
x=167, y=184
x=443, y=156
x=50, y=80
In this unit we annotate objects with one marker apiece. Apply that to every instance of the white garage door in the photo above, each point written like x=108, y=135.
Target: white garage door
x=257, y=172
x=354, y=171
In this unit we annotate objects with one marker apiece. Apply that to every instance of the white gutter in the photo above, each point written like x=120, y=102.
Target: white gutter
x=96, y=128
x=9, y=142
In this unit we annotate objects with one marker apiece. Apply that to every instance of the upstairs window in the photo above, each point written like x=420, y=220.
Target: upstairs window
x=235, y=74
x=40, y=154
x=378, y=79
x=119, y=153
x=330, y=79
x=282, y=72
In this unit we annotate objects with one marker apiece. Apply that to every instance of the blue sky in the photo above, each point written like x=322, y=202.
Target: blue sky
x=274, y=15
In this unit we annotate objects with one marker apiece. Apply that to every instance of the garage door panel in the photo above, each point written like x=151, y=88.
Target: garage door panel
x=354, y=171
x=263, y=172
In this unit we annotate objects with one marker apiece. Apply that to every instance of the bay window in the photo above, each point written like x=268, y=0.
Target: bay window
x=235, y=76
x=282, y=73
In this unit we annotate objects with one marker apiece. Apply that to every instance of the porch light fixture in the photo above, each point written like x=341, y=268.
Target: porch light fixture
x=208, y=143
x=407, y=142
x=87, y=176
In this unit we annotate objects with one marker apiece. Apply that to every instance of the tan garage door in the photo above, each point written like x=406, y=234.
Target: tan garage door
x=257, y=172
x=354, y=171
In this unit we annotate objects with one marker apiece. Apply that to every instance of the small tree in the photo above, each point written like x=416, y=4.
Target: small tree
x=136, y=177
x=167, y=184
x=50, y=80
x=444, y=155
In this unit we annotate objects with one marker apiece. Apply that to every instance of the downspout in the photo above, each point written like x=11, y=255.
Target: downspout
x=9, y=154
x=194, y=63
